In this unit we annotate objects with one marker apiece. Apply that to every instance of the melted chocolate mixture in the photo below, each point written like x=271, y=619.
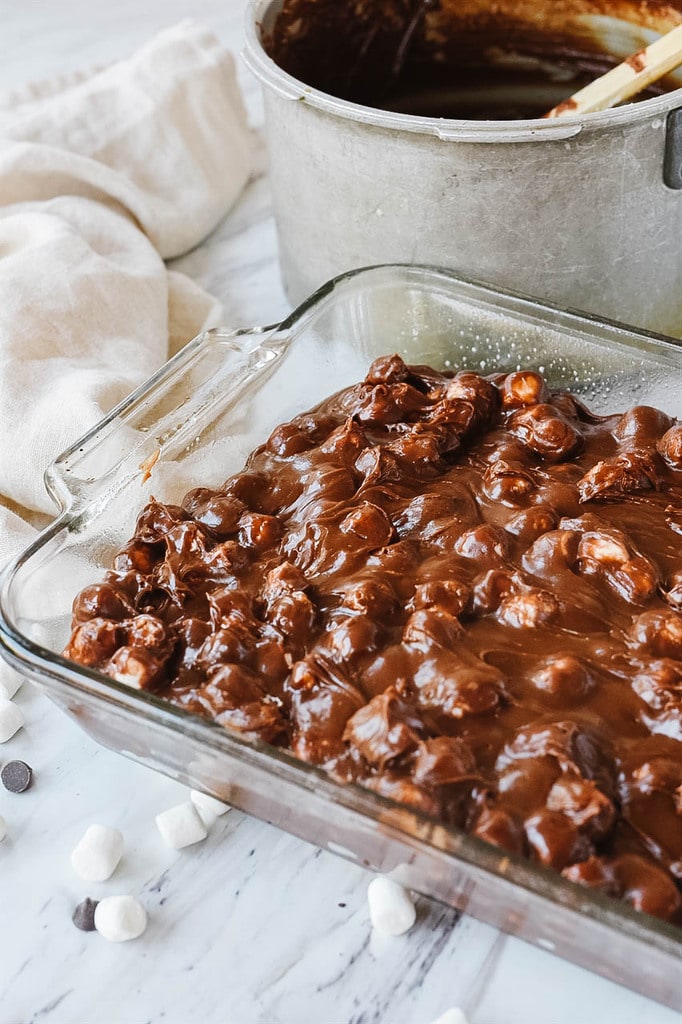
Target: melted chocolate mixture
x=455, y=58
x=464, y=593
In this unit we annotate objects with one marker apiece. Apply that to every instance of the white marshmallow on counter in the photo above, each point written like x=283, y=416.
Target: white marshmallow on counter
x=3, y=828
x=120, y=918
x=97, y=854
x=391, y=907
x=9, y=682
x=453, y=1016
x=11, y=720
x=208, y=806
x=181, y=825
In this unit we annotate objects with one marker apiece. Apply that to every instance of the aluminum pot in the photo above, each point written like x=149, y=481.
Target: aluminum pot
x=585, y=211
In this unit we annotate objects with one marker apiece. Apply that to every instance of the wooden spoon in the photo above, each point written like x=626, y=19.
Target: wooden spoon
x=620, y=83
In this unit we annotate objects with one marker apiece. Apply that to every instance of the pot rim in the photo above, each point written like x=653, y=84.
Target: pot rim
x=447, y=129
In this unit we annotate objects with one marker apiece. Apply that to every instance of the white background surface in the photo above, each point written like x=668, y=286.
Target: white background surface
x=252, y=925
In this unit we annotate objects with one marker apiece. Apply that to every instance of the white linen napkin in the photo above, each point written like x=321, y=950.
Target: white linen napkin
x=104, y=175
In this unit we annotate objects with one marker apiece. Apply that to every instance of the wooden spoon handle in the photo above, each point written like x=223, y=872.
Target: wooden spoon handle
x=634, y=74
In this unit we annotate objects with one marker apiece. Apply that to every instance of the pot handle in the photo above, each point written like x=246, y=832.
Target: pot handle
x=672, y=161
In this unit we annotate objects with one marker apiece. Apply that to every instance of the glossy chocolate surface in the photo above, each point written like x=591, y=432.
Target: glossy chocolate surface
x=462, y=592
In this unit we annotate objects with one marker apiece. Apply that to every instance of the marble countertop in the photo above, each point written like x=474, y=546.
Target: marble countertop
x=252, y=926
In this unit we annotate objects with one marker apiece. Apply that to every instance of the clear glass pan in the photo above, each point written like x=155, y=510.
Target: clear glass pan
x=194, y=423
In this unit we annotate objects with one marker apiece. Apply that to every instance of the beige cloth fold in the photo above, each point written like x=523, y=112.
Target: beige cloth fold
x=102, y=177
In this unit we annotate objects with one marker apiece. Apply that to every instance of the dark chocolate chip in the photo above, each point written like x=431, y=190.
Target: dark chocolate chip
x=84, y=915
x=16, y=776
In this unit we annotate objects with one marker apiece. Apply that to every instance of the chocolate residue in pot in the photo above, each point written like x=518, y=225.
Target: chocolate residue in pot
x=461, y=592
x=455, y=58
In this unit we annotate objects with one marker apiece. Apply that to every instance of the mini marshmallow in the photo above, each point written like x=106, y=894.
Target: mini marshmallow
x=95, y=857
x=207, y=806
x=453, y=1016
x=181, y=825
x=391, y=907
x=9, y=683
x=3, y=828
x=11, y=720
x=120, y=918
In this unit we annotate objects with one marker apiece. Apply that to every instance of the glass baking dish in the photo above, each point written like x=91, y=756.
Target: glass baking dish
x=194, y=422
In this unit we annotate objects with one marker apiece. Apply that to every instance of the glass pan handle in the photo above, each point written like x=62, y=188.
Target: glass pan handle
x=160, y=416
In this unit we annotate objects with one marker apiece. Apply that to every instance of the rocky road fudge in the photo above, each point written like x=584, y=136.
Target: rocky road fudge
x=462, y=592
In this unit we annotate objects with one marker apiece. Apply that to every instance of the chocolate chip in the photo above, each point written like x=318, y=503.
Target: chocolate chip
x=16, y=776
x=84, y=915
